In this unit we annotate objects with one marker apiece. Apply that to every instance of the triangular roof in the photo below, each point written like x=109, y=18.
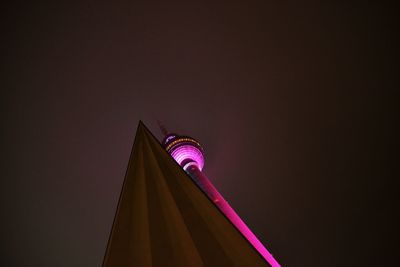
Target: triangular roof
x=164, y=219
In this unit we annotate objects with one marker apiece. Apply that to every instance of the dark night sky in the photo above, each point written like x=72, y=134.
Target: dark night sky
x=293, y=103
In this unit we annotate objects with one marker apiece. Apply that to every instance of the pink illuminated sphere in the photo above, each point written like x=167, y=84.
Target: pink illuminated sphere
x=185, y=150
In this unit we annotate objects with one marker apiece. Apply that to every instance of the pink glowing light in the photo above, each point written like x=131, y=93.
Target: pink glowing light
x=244, y=229
x=188, y=152
x=230, y=213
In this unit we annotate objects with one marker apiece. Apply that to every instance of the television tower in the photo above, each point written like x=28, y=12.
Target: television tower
x=188, y=153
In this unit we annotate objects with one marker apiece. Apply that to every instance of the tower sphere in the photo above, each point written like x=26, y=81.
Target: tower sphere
x=185, y=150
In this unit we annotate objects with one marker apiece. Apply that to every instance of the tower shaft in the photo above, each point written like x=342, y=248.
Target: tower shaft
x=204, y=183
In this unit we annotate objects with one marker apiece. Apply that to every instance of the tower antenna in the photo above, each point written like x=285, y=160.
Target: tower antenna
x=162, y=127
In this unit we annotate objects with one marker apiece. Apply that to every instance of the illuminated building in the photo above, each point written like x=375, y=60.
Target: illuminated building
x=188, y=153
x=165, y=219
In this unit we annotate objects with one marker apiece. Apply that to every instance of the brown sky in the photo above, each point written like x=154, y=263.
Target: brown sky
x=293, y=103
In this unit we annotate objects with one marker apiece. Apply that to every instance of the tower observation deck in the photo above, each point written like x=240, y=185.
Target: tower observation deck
x=188, y=153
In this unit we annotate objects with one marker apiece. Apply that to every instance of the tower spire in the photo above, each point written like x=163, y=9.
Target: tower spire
x=162, y=128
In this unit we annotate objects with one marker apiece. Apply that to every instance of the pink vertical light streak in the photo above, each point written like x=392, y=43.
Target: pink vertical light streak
x=188, y=153
x=232, y=216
